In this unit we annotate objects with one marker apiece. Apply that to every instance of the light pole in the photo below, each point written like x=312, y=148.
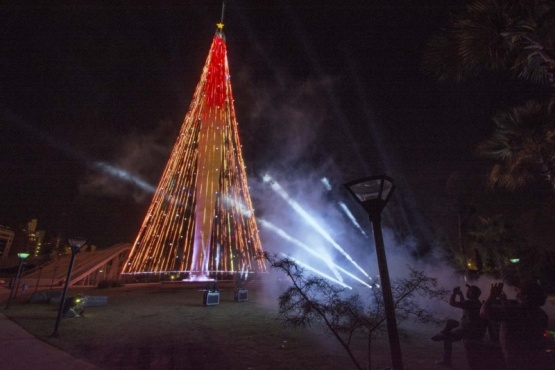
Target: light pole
x=373, y=193
x=75, y=244
x=22, y=256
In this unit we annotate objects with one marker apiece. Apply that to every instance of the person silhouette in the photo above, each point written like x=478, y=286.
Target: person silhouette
x=522, y=325
x=471, y=326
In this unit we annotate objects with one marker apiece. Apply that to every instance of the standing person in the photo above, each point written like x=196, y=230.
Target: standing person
x=522, y=325
x=471, y=327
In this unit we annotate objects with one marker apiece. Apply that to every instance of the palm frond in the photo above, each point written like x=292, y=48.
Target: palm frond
x=495, y=35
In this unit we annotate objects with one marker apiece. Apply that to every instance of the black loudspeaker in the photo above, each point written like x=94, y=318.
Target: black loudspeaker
x=211, y=298
x=241, y=295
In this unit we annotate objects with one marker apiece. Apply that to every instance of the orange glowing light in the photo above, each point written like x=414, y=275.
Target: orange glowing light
x=201, y=219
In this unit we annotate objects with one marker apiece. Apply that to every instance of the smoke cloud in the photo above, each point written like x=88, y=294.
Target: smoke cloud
x=137, y=165
x=288, y=139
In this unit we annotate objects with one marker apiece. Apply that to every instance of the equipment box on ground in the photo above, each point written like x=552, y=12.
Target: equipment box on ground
x=211, y=298
x=241, y=295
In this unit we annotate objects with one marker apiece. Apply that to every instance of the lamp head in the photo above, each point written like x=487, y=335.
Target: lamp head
x=76, y=243
x=23, y=255
x=372, y=193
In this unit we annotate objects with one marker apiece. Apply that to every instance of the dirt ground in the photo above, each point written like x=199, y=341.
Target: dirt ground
x=166, y=326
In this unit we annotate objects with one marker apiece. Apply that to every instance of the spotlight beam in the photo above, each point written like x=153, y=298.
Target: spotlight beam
x=69, y=152
x=351, y=217
x=304, y=265
x=297, y=242
x=343, y=207
x=281, y=192
x=124, y=175
x=330, y=264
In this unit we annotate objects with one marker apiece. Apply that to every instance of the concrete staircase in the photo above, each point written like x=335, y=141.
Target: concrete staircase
x=89, y=268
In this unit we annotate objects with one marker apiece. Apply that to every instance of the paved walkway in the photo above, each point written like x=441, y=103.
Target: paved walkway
x=20, y=350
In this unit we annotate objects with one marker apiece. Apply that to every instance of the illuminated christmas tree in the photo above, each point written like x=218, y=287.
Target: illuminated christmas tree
x=201, y=220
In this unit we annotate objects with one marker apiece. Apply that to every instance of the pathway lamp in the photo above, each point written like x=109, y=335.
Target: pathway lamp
x=516, y=262
x=373, y=193
x=75, y=244
x=13, y=291
x=54, y=274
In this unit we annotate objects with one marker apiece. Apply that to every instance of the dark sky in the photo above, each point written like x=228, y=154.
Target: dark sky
x=332, y=84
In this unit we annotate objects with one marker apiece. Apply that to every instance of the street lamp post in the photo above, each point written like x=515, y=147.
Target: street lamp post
x=75, y=244
x=373, y=193
x=22, y=256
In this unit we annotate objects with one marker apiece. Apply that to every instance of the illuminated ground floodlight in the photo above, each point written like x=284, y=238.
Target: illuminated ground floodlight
x=13, y=291
x=75, y=244
x=201, y=220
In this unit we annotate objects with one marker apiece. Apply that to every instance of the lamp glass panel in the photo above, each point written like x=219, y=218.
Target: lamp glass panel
x=387, y=187
x=76, y=243
x=23, y=255
x=368, y=190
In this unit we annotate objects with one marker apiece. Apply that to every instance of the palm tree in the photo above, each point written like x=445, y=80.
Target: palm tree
x=523, y=144
x=496, y=35
x=515, y=36
x=493, y=239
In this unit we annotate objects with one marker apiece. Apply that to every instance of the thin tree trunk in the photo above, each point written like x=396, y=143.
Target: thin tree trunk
x=369, y=367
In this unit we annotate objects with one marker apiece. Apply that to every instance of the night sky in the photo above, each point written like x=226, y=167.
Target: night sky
x=332, y=87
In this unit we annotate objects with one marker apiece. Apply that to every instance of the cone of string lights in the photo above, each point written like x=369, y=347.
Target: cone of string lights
x=200, y=223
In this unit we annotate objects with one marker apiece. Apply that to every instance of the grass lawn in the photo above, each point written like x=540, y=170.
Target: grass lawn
x=166, y=326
